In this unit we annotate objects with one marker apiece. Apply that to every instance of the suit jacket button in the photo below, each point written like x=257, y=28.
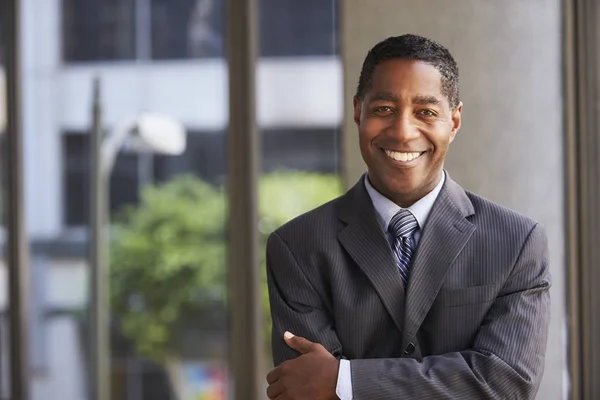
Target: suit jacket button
x=409, y=349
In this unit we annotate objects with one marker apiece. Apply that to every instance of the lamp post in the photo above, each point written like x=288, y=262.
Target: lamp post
x=148, y=132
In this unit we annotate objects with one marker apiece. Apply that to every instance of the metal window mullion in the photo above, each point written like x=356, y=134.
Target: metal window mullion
x=588, y=214
x=17, y=247
x=245, y=342
x=571, y=65
x=582, y=90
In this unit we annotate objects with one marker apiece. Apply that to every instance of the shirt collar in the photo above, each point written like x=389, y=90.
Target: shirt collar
x=386, y=208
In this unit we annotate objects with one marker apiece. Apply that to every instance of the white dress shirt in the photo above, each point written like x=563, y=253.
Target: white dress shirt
x=386, y=209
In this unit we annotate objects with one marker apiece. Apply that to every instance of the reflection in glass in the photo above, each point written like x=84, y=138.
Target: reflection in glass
x=299, y=112
x=194, y=28
x=3, y=166
x=174, y=312
x=98, y=30
x=168, y=213
x=187, y=29
x=290, y=28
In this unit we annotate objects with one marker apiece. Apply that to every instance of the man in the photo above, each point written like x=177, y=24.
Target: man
x=408, y=286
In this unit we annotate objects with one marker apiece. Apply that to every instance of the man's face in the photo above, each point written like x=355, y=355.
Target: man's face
x=405, y=126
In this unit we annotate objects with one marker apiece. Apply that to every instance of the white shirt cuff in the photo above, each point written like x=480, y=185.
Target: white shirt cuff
x=344, y=383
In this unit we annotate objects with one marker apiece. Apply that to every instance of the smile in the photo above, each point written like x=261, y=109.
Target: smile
x=403, y=156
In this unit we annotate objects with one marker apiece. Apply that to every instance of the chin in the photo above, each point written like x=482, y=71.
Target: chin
x=398, y=181
x=400, y=186
x=407, y=180
x=404, y=189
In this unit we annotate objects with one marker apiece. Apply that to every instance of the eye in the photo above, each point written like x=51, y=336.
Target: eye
x=383, y=110
x=427, y=113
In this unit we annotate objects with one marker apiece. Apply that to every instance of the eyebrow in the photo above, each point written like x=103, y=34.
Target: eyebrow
x=419, y=99
x=426, y=100
x=385, y=96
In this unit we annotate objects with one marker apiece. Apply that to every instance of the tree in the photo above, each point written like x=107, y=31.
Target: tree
x=283, y=196
x=168, y=262
x=168, y=255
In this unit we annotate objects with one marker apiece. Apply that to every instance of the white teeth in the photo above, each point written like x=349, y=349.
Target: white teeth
x=402, y=156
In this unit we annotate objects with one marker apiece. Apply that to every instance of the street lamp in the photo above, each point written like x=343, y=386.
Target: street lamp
x=145, y=132
x=148, y=132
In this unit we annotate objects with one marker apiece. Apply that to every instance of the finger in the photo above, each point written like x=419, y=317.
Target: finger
x=273, y=376
x=298, y=343
x=275, y=390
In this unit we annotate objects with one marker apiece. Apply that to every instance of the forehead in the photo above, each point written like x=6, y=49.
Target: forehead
x=406, y=78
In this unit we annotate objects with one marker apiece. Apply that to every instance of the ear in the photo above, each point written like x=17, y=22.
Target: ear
x=357, y=110
x=456, y=120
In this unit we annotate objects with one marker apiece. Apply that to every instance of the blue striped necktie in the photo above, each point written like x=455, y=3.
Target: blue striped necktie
x=402, y=226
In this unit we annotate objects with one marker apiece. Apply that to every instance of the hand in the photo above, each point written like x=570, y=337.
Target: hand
x=312, y=376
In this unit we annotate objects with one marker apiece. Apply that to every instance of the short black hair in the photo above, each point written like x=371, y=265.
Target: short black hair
x=412, y=47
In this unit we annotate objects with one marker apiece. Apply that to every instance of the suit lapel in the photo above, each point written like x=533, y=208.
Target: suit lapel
x=443, y=238
x=365, y=241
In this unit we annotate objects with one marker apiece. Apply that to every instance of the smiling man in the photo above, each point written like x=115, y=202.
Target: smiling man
x=408, y=286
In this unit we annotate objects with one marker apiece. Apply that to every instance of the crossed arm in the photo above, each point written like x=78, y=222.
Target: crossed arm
x=505, y=362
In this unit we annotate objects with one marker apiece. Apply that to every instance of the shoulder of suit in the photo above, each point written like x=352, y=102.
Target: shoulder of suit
x=499, y=215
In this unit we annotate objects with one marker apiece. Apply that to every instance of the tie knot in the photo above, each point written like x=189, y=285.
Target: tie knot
x=403, y=224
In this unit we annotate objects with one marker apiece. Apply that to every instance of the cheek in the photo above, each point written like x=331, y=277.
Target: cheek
x=368, y=131
x=364, y=140
x=439, y=138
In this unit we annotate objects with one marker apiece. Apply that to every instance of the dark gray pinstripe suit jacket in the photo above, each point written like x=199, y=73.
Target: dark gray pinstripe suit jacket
x=472, y=323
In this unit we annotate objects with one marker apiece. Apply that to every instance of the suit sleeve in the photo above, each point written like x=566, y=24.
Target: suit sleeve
x=295, y=304
x=507, y=357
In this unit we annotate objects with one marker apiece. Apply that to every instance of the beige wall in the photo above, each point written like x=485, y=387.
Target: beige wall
x=510, y=146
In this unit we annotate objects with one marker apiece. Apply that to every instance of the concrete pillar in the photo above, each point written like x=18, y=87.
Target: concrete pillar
x=510, y=147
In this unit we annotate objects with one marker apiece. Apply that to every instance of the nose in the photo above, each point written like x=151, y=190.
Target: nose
x=404, y=128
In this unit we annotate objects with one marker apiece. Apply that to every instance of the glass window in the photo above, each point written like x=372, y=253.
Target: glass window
x=3, y=170
x=301, y=149
x=3, y=167
x=312, y=149
x=187, y=29
x=124, y=180
x=168, y=248
x=168, y=212
x=98, y=30
x=300, y=156
x=192, y=28
x=298, y=28
x=107, y=30
x=1, y=46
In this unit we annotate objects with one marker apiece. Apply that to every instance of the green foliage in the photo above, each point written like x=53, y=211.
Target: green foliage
x=282, y=197
x=169, y=256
